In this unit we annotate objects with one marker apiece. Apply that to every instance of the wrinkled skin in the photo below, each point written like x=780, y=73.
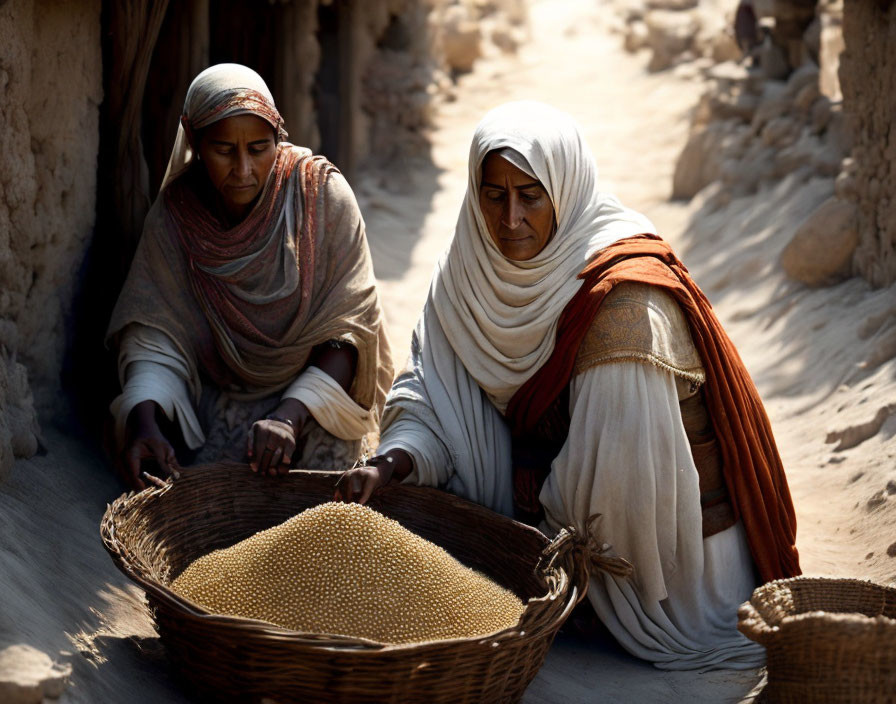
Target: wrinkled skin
x=518, y=212
x=238, y=154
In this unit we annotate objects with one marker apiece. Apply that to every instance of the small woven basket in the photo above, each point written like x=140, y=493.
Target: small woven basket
x=153, y=535
x=827, y=640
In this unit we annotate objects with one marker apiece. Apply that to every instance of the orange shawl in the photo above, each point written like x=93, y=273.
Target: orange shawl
x=752, y=466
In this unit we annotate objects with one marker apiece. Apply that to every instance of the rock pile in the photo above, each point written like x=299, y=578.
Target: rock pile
x=772, y=110
x=676, y=31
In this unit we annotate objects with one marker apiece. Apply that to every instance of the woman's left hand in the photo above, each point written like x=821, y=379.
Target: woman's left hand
x=272, y=441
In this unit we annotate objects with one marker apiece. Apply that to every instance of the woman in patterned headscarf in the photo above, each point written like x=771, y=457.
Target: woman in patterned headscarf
x=249, y=322
x=567, y=365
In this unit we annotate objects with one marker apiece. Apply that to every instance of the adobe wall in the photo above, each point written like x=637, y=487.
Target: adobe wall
x=50, y=90
x=868, y=81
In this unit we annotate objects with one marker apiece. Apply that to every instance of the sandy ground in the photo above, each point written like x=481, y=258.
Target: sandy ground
x=823, y=361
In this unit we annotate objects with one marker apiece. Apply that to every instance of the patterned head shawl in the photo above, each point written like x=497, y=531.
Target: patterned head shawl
x=246, y=304
x=221, y=91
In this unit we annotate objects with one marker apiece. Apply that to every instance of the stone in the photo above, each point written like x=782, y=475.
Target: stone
x=27, y=676
x=826, y=160
x=820, y=114
x=772, y=60
x=780, y=132
x=19, y=429
x=735, y=104
x=728, y=71
x=773, y=102
x=821, y=250
x=805, y=75
x=636, y=36
x=671, y=4
x=796, y=154
x=723, y=48
x=700, y=162
x=505, y=38
x=670, y=34
x=461, y=39
x=806, y=97
x=812, y=38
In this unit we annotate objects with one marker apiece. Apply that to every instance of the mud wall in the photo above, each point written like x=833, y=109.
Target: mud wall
x=868, y=81
x=50, y=91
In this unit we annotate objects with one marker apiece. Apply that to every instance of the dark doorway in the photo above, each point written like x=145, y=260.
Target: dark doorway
x=327, y=103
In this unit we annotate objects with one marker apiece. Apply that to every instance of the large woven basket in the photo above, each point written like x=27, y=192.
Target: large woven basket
x=153, y=535
x=827, y=640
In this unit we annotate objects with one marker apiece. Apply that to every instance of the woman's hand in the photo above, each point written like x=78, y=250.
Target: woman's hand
x=272, y=441
x=146, y=442
x=358, y=484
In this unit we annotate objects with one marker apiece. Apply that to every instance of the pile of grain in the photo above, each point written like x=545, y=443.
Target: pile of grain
x=345, y=569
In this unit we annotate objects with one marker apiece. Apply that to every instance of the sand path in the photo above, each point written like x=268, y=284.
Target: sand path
x=823, y=361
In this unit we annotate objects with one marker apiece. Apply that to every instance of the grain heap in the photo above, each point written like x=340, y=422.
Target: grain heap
x=345, y=569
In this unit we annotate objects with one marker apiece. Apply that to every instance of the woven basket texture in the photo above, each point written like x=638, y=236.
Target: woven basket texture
x=827, y=640
x=153, y=535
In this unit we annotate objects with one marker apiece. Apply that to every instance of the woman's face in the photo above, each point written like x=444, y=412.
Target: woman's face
x=238, y=153
x=516, y=207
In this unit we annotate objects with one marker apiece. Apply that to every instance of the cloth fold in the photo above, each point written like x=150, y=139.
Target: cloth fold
x=334, y=409
x=500, y=315
x=243, y=306
x=679, y=607
x=151, y=369
x=754, y=473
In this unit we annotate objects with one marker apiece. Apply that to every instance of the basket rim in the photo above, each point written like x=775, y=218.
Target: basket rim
x=753, y=623
x=238, y=625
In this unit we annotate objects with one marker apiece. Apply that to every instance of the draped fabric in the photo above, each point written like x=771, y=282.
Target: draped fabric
x=496, y=346
x=628, y=459
x=246, y=304
x=752, y=466
x=500, y=315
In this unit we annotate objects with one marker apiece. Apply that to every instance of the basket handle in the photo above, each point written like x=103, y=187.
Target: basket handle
x=751, y=623
x=589, y=554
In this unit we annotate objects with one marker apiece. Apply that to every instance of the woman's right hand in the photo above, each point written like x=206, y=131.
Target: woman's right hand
x=146, y=442
x=358, y=484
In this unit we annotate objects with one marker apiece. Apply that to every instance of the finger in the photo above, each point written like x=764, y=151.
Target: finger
x=160, y=455
x=132, y=460
x=354, y=487
x=275, y=459
x=370, y=484
x=261, y=452
x=337, y=490
x=250, y=439
x=288, y=451
x=153, y=480
x=171, y=462
x=264, y=460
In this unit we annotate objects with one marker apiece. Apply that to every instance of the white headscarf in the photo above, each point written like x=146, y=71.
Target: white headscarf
x=221, y=91
x=500, y=315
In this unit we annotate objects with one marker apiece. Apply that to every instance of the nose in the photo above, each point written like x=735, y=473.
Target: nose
x=512, y=215
x=243, y=168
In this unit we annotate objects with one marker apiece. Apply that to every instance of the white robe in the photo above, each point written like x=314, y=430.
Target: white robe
x=626, y=457
x=150, y=368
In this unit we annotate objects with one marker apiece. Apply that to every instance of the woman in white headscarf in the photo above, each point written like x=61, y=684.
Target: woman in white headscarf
x=249, y=322
x=566, y=365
